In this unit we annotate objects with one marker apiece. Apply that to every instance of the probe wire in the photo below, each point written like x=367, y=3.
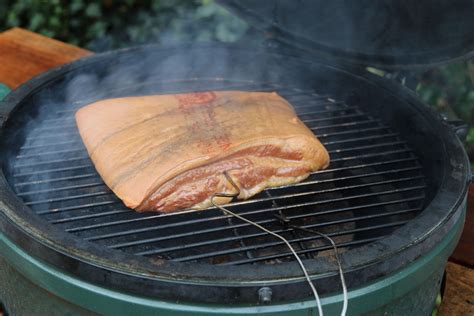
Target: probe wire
x=300, y=262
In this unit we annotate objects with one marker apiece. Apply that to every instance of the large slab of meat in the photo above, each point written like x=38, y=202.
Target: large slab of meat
x=169, y=152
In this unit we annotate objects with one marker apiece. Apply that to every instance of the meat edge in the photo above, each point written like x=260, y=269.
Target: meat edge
x=314, y=159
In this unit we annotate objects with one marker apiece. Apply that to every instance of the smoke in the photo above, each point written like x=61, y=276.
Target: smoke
x=48, y=165
x=173, y=22
x=48, y=147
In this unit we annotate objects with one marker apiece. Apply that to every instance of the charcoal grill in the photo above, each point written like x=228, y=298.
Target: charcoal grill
x=393, y=197
x=375, y=199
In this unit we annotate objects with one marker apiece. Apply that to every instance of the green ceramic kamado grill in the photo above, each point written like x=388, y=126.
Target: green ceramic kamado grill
x=393, y=198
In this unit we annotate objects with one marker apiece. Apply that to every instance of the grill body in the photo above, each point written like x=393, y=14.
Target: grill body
x=411, y=291
x=388, y=198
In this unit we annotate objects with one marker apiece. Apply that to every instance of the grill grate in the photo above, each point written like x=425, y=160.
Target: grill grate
x=373, y=186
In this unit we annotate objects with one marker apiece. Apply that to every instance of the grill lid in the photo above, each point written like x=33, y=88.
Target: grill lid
x=386, y=34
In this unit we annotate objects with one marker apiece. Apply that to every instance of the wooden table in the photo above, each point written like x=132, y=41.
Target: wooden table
x=25, y=54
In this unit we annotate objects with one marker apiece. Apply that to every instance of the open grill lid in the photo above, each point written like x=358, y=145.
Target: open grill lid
x=386, y=34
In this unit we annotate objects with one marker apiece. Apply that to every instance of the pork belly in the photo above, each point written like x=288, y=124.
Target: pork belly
x=169, y=152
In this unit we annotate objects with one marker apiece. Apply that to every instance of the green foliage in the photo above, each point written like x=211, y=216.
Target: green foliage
x=452, y=86
x=107, y=24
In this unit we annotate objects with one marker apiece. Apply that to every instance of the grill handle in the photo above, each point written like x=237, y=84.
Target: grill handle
x=457, y=125
x=460, y=128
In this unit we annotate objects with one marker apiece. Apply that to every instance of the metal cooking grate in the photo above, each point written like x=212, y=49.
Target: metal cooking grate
x=373, y=185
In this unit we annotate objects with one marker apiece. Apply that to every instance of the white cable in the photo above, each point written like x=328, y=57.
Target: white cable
x=341, y=273
x=315, y=292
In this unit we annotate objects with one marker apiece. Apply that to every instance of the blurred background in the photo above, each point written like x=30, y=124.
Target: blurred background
x=101, y=25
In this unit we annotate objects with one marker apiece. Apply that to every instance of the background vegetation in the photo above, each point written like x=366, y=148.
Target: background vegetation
x=101, y=25
x=452, y=86
x=107, y=24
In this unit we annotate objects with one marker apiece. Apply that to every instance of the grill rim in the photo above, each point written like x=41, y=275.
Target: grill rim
x=16, y=221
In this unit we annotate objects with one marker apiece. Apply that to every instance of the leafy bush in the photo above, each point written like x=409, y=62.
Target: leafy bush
x=452, y=86
x=106, y=24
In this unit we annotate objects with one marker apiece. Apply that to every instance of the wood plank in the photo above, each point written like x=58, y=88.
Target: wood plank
x=464, y=252
x=459, y=294
x=24, y=54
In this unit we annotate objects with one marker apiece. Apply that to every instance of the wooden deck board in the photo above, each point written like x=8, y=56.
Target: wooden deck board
x=459, y=294
x=464, y=252
x=24, y=54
